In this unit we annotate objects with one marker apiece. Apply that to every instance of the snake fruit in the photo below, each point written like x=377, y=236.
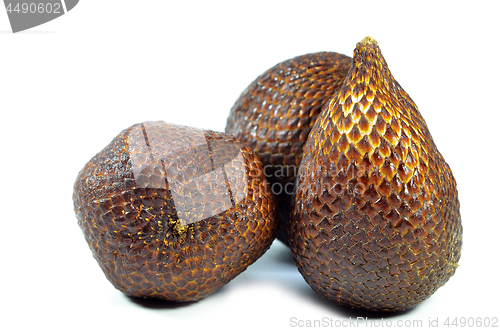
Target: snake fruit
x=173, y=212
x=276, y=112
x=376, y=222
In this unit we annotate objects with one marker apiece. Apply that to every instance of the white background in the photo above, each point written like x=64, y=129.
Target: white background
x=69, y=86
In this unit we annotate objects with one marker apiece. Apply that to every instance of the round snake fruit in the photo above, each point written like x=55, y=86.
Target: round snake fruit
x=173, y=212
x=376, y=222
x=275, y=114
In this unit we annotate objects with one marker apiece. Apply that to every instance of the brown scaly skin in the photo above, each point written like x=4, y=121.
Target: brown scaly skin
x=275, y=114
x=376, y=224
x=173, y=212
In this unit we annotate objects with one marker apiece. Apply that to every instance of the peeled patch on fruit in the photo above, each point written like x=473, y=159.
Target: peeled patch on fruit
x=173, y=212
x=275, y=114
x=376, y=223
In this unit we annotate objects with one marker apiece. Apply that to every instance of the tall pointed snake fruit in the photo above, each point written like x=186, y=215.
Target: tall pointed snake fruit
x=376, y=224
x=275, y=114
x=173, y=212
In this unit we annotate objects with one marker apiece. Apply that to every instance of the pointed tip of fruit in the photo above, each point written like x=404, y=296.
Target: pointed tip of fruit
x=368, y=54
x=368, y=40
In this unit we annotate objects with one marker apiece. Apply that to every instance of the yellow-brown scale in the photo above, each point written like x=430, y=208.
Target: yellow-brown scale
x=376, y=222
x=170, y=217
x=275, y=114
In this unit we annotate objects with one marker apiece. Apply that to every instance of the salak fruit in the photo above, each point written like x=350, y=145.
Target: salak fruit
x=173, y=212
x=376, y=222
x=276, y=112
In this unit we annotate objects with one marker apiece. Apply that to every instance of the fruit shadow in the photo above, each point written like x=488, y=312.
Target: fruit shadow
x=150, y=303
x=158, y=304
x=352, y=313
x=284, y=254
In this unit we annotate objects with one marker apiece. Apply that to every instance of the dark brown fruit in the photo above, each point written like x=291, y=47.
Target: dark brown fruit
x=376, y=223
x=173, y=212
x=274, y=115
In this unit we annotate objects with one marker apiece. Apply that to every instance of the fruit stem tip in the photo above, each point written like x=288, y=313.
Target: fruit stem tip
x=369, y=40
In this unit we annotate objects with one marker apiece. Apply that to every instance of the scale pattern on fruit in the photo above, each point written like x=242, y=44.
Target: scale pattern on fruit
x=376, y=222
x=174, y=212
x=275, y=114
